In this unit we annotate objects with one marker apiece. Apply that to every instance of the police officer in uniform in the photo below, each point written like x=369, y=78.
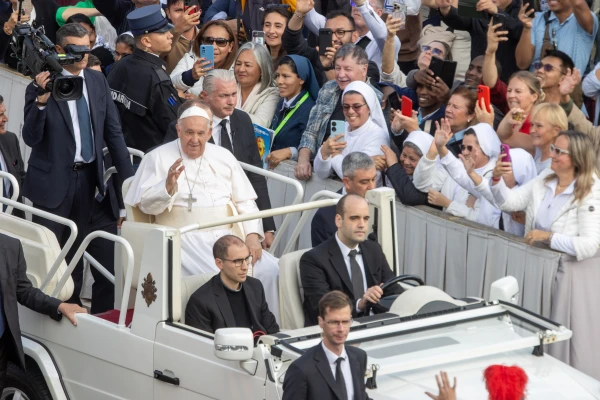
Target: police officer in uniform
x=140, y=85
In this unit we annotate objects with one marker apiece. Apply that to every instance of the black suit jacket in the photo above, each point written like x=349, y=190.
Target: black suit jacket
x=16, y=287
x=49, y=133
x=323, y=225
x=323, y=269
x=310, y=376
x=11, y=151
x=208, y=308
x=245, y=150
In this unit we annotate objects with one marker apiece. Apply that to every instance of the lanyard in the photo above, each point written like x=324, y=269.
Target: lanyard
x=287, y=117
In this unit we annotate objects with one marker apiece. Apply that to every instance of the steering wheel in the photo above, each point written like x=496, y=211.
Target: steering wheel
x=385, y=303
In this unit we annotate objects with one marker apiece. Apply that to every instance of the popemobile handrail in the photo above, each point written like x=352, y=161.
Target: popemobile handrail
x=15, y=186
x=79, y=254
x=320, y=194
x=299, y=196
x=51, y=217
x=259, y=215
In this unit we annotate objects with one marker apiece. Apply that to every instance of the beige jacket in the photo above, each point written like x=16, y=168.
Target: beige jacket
x=581, y=123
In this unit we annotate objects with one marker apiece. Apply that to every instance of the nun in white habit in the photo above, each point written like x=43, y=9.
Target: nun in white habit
x=446, y=180
x=190, y=181
x=365, y=130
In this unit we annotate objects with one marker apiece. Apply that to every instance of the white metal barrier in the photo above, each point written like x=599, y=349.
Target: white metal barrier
x=15, y=187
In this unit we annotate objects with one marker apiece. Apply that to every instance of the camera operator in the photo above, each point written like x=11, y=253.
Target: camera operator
x=67, y=138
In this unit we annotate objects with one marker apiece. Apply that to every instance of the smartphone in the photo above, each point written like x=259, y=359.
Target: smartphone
x=258, y=37
x=505, y=149
x=394, y=101
x=191, y=6
x=399, y=12
x=436, y=65
x=483, y=92
x=325, y=40
x=448, y=72
x=337, y=126
x=207, y=51
x=407, y=107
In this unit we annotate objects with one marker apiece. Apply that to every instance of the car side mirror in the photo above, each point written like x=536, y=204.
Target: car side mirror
x=505, y=289
x=234, y=344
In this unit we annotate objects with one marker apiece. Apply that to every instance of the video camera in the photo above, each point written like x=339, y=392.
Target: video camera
x=36, y=53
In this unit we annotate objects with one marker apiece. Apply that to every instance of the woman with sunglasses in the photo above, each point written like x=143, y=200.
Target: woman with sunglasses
x=275, y=20
x=189, y=73
x=563, y=203
x=365, y=130
x=448, y=184
x=298, y=89
x=256, y=93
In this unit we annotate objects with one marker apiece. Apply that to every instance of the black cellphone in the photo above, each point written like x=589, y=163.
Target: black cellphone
x=448, y=73
x=436, y=65
x=325, y=40
x=394, y=101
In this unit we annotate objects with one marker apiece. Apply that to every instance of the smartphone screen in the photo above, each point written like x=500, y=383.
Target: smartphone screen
x=258, y=37
x=394, y=101
x=207, y=51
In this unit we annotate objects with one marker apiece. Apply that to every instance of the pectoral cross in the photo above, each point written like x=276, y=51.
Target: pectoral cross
x=191, y=199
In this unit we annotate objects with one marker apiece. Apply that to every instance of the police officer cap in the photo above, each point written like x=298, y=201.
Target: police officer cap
x=148, y=19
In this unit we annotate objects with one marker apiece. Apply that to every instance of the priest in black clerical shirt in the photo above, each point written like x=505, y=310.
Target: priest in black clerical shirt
x=231, y=299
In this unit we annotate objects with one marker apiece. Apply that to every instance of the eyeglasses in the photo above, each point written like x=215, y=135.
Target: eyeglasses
x=340, y=33
x=355, y=107
x=207, y=40
x=547, y=67
x=434, y=51
x=466, y=147
x=240, y=261
x=334, y=324
x=557, y=150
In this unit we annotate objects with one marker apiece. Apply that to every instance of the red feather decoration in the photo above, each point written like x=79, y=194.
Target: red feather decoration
x=505, y=383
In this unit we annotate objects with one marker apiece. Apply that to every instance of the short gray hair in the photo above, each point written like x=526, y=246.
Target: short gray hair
x=378, y=4
x=355, y=161
x=69, y=30
x=263, y=59
x=358, y=54
x=209, y=84
x=414, y=147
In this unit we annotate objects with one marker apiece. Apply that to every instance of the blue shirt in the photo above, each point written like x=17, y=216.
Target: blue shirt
x=569, y=36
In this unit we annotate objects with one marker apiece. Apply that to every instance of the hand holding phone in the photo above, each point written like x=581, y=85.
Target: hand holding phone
x=505, y=149
x=325, y=40
x=483, y=92
x=207, y=51
x=399, y=12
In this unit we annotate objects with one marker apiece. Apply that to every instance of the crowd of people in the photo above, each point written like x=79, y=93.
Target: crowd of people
x=509, y=139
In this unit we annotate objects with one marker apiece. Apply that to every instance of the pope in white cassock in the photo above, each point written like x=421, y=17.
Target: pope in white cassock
x=192, y=181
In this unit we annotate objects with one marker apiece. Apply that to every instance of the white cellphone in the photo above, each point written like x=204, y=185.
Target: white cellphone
x=258, y=37
x=399, y=12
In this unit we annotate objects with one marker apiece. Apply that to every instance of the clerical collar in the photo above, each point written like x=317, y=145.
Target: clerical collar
x=230, y=289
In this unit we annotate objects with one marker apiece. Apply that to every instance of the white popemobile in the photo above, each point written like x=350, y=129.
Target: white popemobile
x=144, y=350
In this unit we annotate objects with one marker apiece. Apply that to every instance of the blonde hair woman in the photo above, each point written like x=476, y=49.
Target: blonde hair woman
x=563, y=203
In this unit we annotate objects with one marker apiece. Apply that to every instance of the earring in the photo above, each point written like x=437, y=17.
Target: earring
x=468, y=121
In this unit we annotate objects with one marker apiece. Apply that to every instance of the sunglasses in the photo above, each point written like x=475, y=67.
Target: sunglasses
x=557, y=150
x=355, y=107
x=207, y=40
x=466, y=147
x=434, y=51
x=546, y=67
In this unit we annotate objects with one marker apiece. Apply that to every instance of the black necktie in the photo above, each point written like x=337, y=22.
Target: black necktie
x=225, y=141
x=358, y=284
x=339, y=378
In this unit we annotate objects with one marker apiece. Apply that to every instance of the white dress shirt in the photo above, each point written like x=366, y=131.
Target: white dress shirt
x=345, y=366
x=216, y=131
x=75, y=119
x=549, y=212
x=345, y=251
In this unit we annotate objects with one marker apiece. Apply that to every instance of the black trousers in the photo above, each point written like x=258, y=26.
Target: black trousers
x=5, y=353
x=103, y=291
x=76, y=206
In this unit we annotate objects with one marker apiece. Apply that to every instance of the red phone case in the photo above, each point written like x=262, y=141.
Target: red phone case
x=407, y=107
x=483, y=92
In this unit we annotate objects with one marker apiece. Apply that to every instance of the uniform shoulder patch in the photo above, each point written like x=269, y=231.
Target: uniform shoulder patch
x=162, y=74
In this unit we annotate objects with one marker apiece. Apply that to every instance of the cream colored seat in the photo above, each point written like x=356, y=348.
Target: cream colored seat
x=189, y=285
x=290, y=284
x=41, y=250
